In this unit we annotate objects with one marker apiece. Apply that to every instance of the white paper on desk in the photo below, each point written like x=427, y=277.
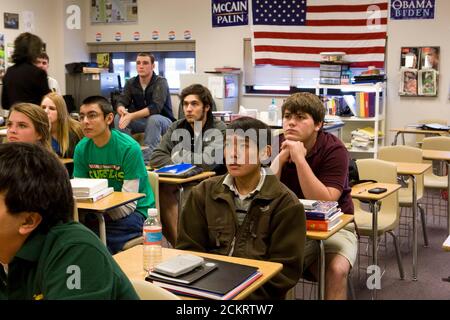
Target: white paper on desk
x=217, y=87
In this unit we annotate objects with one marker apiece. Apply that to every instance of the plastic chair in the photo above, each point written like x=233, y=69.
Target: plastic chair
x=148, y=291
x=401, y=153
x=435, y=143
x=153, y=179
x=389, y=214
x=421, y=137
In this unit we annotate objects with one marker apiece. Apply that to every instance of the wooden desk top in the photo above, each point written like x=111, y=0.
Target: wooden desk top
x=360, y=191
x=131, y=262
x=412, y=168
x=419, y=131
x=436, y=155
x=114, y=200
x=323, y=235
x=446, y=244
x=200, y=176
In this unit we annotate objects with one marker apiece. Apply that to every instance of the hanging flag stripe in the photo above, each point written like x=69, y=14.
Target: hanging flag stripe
x=294, y=32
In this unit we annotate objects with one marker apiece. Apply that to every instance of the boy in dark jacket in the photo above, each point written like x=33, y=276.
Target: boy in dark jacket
x=247, y=213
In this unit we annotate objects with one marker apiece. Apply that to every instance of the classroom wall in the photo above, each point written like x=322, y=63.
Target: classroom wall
x=403, y=33
x=45, y=20
x=224, y=46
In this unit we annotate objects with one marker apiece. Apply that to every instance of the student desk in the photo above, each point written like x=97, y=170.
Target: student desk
x=412, y=169
x=360, y=192
x=131, y=262
x=114, y=200
x=180, y=182
x=320, y=236
x=442, y=156
x=416, y=131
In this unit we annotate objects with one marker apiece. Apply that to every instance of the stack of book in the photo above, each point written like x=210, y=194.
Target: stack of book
x=321, y=215
x=90, y=190
x=215, y=279
x=364, y=138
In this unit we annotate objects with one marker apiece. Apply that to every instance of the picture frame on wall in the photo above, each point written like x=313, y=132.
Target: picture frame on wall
x=429, y=58
x=408, y=82
x=423, y=62
x=427, y=82
x=10, y=20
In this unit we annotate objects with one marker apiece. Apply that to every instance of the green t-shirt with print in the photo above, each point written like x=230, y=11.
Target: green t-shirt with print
x=120, y=159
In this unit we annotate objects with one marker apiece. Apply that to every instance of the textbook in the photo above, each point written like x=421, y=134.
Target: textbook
x=324, y=225
x=308, y=204
x=222, y=283
x=182, y=170
x=95, y=197
x=83, y=187
x=324, y=207
x=311, y=215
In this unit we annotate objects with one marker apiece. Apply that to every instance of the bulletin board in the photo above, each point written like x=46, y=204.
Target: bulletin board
x=419, y=71
x=114, y=11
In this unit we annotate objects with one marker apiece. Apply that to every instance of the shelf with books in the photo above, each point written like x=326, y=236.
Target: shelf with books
x=360, y=99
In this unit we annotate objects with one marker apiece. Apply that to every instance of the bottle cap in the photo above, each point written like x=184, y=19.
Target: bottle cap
x=152, y=212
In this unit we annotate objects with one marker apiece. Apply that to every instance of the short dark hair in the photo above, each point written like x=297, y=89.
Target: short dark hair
x=27, y=47
x=33, y=179
x=43, y=55
x=248, y=123
x=146, y=54
x=305, y=102
x=102, y=102
x=203, y=94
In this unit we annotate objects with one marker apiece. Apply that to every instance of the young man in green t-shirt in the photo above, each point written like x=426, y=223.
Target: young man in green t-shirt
x=43, y=255
x=110, y=154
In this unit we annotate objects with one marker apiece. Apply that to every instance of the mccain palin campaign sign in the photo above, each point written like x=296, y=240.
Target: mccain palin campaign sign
x=227, y=13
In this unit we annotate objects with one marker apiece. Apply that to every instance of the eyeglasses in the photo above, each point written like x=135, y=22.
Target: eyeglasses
x=90, y=116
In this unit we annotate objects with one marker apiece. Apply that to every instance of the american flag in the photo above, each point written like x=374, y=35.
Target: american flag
x=294, y=32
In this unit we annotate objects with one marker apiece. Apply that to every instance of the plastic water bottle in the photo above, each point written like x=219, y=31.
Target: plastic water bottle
x=152, y=240
x=273, y=113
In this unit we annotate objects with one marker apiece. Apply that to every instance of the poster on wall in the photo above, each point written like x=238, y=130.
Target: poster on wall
x=419, y=68
x=11, y=20
x=412, y=9
x=9, y=54
x=227, y=13
x=28, y=21
x=114, y=11
x=103, y=60
x=2, y=57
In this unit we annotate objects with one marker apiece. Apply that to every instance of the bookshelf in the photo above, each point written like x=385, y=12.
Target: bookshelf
x=353, y=123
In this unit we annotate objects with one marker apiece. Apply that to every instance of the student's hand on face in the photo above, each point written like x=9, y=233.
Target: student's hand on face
x=296, y=149
x=284, y=156
x=125, y=120
x=121, y=111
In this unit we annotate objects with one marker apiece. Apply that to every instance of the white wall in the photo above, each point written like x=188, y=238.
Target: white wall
x=224, y=46
x=406, y=110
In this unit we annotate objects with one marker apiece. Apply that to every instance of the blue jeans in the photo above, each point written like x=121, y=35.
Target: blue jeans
x=118, y=232
x=153, y=127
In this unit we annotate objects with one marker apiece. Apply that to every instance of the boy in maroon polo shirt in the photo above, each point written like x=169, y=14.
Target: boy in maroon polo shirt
x=314, y=164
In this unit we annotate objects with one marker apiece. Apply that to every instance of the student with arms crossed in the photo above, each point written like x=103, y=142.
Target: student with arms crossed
x=145, y=105
x=43, y=254
x=314, y=164
x=247, y=213
x=199, y=142
x=110, y=154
